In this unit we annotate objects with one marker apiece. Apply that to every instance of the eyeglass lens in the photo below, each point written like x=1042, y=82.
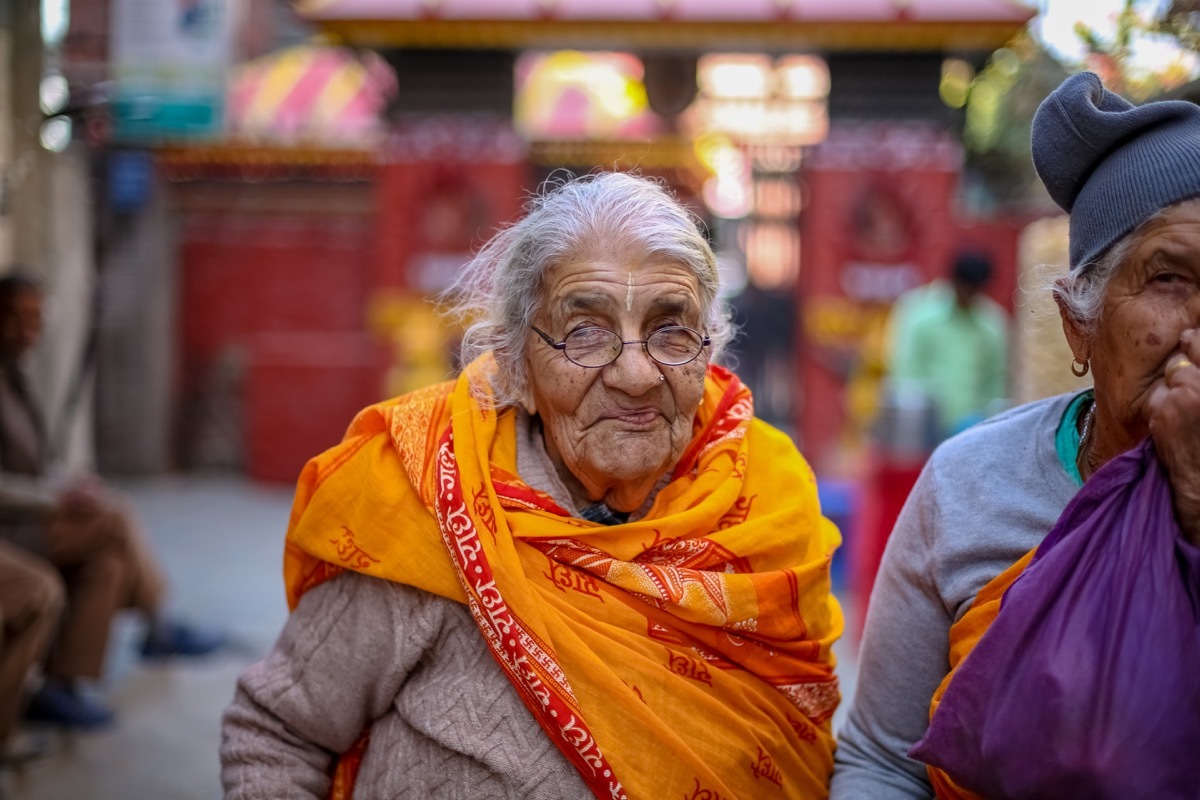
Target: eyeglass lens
x=596, y=347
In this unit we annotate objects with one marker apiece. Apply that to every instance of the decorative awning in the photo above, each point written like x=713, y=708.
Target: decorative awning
x=310, y=112
x=310, y=95
x=793, y=25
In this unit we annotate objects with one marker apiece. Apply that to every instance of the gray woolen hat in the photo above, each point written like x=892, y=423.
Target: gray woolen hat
x=1110, y=164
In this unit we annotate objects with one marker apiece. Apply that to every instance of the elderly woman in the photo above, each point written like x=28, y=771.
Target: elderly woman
x=964, y=556
x=583, y=566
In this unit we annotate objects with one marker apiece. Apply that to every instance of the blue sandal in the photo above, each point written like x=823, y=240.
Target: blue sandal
x=168, y=639
x=58, y=705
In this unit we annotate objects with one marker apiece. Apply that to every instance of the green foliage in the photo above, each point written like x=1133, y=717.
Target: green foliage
x=1000, y=107
x=1143, y=21
x=1181, y=20
x=1005, y=94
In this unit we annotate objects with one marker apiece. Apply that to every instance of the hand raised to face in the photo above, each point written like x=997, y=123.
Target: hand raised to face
x=1175, y=426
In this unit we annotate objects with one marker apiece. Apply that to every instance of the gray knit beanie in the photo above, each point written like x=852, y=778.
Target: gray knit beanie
x=1111, y=165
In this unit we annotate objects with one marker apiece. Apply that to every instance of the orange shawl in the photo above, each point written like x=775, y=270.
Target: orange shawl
x=686, y=654
x=964, y=635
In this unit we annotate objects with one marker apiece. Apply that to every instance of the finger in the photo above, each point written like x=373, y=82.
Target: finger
x=1179, y=369
x=1189, y=344
x=1157, y=400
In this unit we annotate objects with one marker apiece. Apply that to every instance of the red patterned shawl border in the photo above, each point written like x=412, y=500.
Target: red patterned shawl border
x=530, y=667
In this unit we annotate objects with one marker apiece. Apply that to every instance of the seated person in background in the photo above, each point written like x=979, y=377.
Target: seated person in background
x=583, y=567
x=79, y=527
x=996, y=504
x=949, y=341
x=31, y=604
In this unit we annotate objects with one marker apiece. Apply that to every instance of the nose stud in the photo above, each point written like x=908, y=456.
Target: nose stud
x=662, y=377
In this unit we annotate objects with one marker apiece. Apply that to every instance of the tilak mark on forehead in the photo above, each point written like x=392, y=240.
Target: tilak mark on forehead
x=629, y=294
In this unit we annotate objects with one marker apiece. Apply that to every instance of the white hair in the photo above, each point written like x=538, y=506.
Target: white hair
x=1081, y=291
x=499, y=293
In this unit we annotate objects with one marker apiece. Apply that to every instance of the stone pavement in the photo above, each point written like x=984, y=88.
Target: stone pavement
x=221, y=542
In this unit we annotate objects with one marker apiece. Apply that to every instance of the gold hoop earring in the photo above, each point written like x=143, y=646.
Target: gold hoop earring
x=1083, y=368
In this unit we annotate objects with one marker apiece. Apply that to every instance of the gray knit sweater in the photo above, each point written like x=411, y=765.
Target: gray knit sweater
x=445, y=721
x=985, y=498
x=357, y=651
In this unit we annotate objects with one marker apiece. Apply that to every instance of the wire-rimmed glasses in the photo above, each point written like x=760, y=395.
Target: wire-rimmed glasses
x=672, y=346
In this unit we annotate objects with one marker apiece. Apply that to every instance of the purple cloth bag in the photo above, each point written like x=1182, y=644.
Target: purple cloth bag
x=1087, y=684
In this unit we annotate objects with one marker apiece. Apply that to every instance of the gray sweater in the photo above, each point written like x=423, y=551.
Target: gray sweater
x=445, y=720
x=986, y=497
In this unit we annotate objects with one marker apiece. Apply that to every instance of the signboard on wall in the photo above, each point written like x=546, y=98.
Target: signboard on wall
x=170, y=59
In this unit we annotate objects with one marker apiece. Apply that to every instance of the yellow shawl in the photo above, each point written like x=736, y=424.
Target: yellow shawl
x=684, y=655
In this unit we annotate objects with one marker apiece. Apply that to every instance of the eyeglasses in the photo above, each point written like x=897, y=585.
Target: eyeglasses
x=671, y=346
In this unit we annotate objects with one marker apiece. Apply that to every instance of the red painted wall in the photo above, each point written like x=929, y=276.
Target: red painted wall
x=286, y=296
x=287, y=281
x=442, y=207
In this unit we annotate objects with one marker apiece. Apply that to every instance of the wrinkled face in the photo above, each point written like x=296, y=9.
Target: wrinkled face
x=613, y=431
x=20, y=323
x=1153, y=297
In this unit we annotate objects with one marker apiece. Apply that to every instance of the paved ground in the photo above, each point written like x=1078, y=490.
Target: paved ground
x=221, y=542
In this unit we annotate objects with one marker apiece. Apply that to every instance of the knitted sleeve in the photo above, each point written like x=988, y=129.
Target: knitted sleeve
x=338, y=664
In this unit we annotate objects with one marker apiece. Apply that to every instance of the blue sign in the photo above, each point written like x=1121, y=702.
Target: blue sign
x=130, y=177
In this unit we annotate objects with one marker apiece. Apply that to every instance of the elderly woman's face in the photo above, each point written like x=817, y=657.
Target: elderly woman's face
x=613, y=431
x=1153, y=297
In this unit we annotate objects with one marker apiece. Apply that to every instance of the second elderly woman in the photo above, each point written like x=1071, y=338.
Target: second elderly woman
x=582, y=567
x=971, y=592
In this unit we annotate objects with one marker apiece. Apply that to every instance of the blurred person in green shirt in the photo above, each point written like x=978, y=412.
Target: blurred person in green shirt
x=949, y=340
